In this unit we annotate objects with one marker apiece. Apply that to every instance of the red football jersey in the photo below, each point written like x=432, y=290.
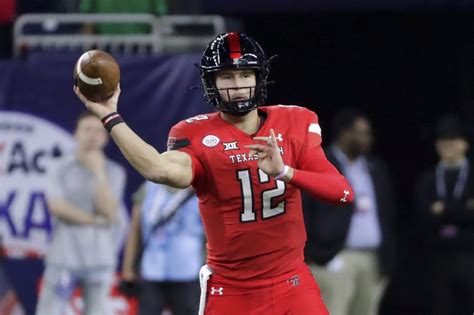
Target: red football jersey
x=254, y=224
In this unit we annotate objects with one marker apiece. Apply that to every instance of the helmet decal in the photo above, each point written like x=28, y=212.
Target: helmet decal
x=234, y=46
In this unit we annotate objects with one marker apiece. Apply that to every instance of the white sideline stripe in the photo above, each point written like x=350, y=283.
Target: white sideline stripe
x=315, y=128
x=83, y=77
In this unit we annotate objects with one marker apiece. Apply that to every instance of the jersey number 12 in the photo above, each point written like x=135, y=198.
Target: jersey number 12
x=247, y=213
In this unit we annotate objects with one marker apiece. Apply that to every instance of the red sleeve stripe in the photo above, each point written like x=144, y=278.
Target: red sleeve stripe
x=234, y=45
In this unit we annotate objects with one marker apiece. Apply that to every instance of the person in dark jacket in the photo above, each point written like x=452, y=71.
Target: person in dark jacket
x=352, y=250
x=445, y=207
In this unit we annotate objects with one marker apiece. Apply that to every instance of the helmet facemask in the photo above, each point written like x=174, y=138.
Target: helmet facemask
x=240, y=107
x=252, y=96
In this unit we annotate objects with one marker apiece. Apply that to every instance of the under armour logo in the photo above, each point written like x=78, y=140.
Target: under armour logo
x=346, y=194
x=230, y=145
x=219, y=291
x=294, y=281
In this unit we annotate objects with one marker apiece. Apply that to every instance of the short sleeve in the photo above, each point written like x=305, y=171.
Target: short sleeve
x=178, y=139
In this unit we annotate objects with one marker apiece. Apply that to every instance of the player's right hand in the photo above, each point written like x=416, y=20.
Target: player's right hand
x=100, y=109
x=269, y=156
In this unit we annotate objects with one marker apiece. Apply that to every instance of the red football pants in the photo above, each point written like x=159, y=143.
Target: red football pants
x=294, y=293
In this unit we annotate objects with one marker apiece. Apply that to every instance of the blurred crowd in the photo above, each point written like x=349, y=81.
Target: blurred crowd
x=353, y=250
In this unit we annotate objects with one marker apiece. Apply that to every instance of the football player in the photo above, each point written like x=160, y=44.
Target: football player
x=247, y=164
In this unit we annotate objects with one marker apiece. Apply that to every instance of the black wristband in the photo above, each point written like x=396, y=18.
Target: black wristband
x=111, y=120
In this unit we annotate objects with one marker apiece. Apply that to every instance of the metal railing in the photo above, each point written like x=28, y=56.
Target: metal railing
x=194, y=32
x=169, y=33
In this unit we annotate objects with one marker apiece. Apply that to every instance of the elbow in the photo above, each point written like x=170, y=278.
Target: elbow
x=156, y=175
x=165, y=177
x=151, y=168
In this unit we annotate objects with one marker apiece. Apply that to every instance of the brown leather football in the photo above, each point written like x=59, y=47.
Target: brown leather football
x=97, y=75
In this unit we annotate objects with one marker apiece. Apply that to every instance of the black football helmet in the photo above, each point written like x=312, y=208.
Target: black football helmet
x=234, y=51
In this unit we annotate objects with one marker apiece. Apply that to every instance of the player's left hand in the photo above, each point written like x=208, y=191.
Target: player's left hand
x=269, y=156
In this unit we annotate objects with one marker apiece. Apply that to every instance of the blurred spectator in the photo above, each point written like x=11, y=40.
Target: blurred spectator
x=445, y=204
x=157, y=7
x=84, y=196
x=351, y=249
x=165, y=244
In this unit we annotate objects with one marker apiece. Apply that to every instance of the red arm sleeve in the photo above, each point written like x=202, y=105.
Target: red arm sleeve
x=321, y=179
x=314, y=173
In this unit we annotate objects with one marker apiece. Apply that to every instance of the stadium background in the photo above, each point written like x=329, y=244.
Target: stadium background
x=403, y=62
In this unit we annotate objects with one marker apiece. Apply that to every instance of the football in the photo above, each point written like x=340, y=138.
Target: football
x=97, y=75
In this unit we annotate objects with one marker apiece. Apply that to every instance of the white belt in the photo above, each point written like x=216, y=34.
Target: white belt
x=204, y=275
